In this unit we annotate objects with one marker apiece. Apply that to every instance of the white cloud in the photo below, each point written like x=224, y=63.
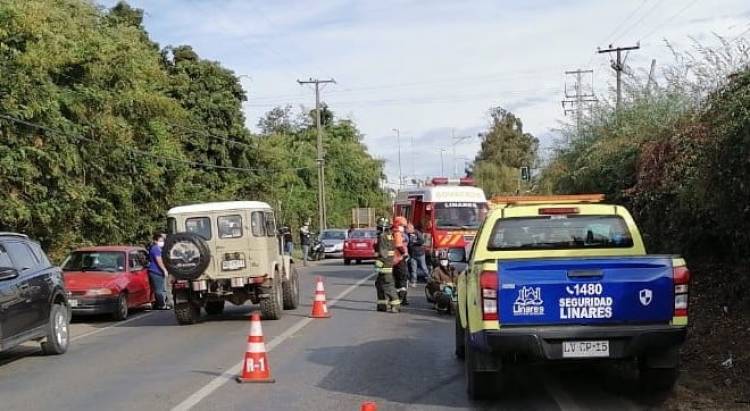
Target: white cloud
x=428, y=66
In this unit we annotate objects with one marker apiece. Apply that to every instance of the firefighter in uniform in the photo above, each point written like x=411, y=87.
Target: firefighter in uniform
x=388, y=299
x=400, y=254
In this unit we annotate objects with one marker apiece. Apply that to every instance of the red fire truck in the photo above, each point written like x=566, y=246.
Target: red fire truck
x=448, y=211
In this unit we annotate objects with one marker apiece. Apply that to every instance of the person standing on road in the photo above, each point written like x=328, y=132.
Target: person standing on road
x=400, y=254
x=417, y=263
x=286, y=235
x=304, y=239
x=157, y=272
x=388, y=299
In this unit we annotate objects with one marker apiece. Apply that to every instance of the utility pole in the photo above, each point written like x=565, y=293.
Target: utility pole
x=398, y=142
x=580, y=96
x=321, y=162
x=618, y=66
x=651, y=76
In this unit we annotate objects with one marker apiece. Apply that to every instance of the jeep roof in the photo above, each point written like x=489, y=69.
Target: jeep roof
x=220, y=206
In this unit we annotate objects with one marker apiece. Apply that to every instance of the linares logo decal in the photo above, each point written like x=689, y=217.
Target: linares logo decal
x=529, y=302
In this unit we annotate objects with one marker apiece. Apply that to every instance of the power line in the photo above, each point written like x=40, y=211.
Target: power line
x=649, y=11
x=136, y=151
x=622, y=23
x=661, y=25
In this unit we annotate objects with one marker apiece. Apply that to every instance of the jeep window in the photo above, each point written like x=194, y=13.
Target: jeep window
x=560, y=233
x=230, y=226
x=270, y=225
x=171, y=225
x=40, y=256
x=200, y=226
x=258, y=225
x=107, y=261
x=21, y=255
x=5, y=258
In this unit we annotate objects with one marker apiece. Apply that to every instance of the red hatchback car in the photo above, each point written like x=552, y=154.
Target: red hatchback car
x=360, y=245
x=110, y=279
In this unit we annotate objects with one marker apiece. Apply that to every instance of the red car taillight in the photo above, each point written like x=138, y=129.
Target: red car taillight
x=681, y=279
x=488, y=288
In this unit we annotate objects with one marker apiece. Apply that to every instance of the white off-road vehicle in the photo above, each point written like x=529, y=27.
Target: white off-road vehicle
x=228, y=251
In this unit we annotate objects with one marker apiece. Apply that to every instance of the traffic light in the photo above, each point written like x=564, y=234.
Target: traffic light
x=525, y=173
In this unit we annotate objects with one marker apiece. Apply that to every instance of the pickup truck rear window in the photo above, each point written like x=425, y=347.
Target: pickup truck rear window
x=564, y=232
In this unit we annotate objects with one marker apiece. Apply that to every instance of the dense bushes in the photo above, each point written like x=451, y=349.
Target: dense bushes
x=129, y=130
x=677, y=155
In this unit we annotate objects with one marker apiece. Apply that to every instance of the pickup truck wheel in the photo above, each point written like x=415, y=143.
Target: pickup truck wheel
x=272, y=306
x=480, y=385
x=291, y=291
x=460, y=346
x=187, y=313
x=215, y=307
x=58, y=335
x=121, y=310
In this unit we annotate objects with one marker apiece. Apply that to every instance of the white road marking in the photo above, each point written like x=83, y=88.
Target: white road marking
x=117, y=324
x=232, y=372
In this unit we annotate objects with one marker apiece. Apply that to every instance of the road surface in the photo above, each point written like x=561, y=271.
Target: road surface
x=402, y=362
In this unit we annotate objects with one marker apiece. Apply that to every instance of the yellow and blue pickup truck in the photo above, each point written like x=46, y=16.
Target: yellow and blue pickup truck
x=557, y=278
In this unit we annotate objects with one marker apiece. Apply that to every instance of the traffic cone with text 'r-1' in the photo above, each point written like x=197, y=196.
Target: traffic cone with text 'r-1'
x=255, y=368
x=319, y=308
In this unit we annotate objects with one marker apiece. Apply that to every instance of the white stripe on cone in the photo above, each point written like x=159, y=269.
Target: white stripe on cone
x=256, y=348
x=319, y=287
x=320, y=297
x=255, y=329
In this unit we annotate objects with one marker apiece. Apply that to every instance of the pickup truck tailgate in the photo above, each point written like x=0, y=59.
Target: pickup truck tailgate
x=586, y=291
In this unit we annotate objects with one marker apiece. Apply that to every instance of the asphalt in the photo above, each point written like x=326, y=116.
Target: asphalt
x=400, y=361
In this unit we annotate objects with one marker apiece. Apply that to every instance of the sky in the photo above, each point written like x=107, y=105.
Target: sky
x=433, y=68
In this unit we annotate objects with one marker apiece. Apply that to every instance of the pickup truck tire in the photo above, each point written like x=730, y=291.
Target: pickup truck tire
x=215, y=307
x=187, y=313
x=291, y=290
x=480, y=385
x=186, y=267
x=271, y=307
x=58, y=331
x=460, y=346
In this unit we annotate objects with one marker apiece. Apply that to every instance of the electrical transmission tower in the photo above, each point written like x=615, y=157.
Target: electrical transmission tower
x=618, y=66
x=577, y=101
x=321, y=161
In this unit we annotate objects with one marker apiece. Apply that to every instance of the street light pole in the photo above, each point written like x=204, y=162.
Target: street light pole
x=398, y=140
x=442, y=167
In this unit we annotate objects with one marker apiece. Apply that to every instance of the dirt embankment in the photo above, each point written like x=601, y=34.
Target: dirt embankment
x=716, y=356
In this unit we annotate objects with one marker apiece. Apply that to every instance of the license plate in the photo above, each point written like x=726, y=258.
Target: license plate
x=233, y=265
x=585, y=349
x=361, y=245
x=73, y=303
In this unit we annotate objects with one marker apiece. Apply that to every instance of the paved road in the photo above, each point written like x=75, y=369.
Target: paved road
x=403, y=362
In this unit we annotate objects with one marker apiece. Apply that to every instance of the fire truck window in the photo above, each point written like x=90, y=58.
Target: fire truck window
x=459, y=215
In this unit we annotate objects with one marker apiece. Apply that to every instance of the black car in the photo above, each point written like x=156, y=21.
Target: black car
x=33, y=303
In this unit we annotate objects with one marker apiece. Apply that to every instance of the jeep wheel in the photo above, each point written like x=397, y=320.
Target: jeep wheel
x=58, y=335
x=215, y=307
x=291, y=291
x=271, y=307
x=186, y=255
x=187, y=313
x=121, y=310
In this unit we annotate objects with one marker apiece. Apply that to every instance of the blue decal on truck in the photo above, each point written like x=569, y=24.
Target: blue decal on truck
x=613, y=290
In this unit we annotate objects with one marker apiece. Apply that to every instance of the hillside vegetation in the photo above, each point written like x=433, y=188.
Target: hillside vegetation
x=103, y=131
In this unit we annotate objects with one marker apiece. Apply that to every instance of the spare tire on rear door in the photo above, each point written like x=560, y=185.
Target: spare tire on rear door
x=186, y=255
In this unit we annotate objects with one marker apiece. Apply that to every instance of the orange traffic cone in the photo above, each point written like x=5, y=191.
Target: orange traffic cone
x=319, y=308
x=368, y=406
x=255, y=367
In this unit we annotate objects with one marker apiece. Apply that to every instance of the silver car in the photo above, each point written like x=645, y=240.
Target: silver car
x=333, y=242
